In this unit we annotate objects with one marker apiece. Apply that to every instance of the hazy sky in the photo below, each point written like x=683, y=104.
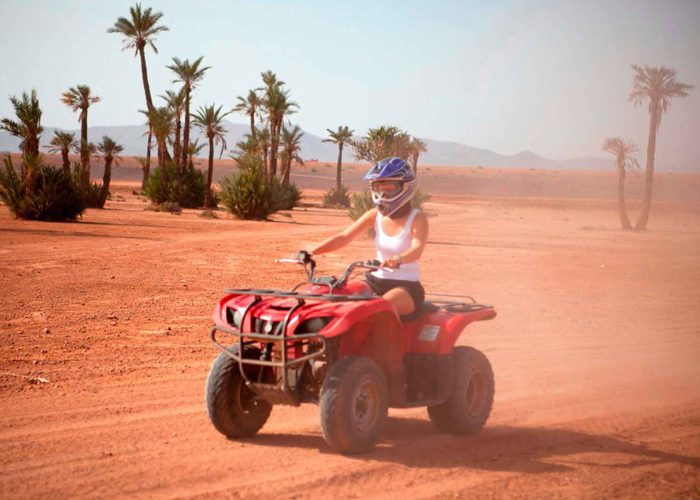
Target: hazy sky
x=547, y=76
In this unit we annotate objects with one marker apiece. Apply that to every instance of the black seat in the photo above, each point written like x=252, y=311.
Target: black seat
x=426, y=307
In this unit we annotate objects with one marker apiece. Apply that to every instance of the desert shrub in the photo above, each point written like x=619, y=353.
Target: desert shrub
x=361, y=202
x=208, y=214
x=336, y=198
x=187, y=188
x=286, y=197
x=92, y=195
x=419, y=199
x=248, y=196
x=47, y=193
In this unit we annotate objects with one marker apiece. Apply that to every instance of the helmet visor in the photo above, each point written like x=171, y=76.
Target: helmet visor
x=386, y=189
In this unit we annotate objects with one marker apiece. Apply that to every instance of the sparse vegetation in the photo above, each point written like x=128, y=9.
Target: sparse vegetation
x=337, y=198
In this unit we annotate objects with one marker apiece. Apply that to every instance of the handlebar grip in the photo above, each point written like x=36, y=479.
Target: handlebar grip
x=373, y=263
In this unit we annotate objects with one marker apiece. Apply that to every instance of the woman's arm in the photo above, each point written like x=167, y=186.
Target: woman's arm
x=360, y=226
x=419, y=237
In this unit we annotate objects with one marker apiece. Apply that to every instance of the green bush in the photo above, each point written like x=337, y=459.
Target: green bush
x=45, y=194
x=186, y=188
x=92, y=196
x=361, y=202
x=287, y=197
x=248, y=196
x=335, y=198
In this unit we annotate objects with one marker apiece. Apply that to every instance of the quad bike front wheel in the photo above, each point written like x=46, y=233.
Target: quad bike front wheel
x=234, y=409
x=469, y=405
x=354, y=404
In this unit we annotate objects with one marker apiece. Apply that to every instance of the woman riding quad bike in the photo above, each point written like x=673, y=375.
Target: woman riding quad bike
x=353, y=347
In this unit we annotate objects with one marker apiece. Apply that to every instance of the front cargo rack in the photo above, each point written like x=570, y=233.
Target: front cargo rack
x=283, y=391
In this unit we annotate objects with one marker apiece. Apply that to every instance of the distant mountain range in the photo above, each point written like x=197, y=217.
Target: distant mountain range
x=439, y=152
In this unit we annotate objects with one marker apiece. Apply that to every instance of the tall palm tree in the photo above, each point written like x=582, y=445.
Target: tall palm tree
x=249, y=106
x=417, y=147
x=189, y=74
x=80, y=98
x=109, y=150
x=291, y=146
x=278, y=106
x=63, y=143
x=622, y=149
x=140, y=30
x=340, y=137
x=27, y=128
x=209, y=119
x=176, y=104
x=657, y=85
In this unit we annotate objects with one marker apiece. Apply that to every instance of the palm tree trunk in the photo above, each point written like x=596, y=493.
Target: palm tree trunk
x=273, y=149
x=624, y=220
x=84, y=152
x=286, y=169
x=176, y=147
x=210, y=173
x=252, y=126
x=106, y=178
x=338, y=169
x=144, y=77
x=66, y=162
x=186, y=132
x=147, y=167
x=643, y=218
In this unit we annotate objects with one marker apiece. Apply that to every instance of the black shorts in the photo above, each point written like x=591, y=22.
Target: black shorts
x=380, y=286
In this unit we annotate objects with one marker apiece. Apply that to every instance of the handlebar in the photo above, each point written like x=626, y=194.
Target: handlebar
x=305, y=259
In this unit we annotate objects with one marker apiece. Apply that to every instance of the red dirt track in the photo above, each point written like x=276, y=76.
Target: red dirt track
x=104, y=352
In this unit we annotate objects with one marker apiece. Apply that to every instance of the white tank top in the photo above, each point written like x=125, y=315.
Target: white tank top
x=388, y=246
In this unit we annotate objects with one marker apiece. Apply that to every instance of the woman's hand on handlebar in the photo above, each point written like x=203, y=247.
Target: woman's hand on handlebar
x=393, y=262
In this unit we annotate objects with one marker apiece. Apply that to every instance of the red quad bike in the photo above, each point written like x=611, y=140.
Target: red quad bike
x=331, y=341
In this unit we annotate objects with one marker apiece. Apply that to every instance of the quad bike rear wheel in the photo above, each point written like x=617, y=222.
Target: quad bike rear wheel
x=354, y=404
x=469, y=406
x=234, y=409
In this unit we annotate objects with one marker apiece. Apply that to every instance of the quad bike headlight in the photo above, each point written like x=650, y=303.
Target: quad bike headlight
x=233, y=317
x=313, y=325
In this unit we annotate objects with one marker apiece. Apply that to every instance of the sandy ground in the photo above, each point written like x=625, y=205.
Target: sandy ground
x=104, y=352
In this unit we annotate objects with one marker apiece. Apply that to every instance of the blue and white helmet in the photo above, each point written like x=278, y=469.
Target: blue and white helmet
x=392, y=169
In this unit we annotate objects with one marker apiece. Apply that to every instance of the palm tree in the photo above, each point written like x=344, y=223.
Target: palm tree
x=339, y=137
x=28, y=125
x=194, y=150
x=176, y=104
x=277, y=104
x=27, y=128
x=79, y=98
x=658, y=86
x=139, y=31
x=109, y=150
x=209, y=120
x=249, y=106
x=262, y=140
x=417, y=147
x=622, y=149
x=291, y=146
x=160, y=121
x=189, y=74
x=63, y=143
x=382, y=142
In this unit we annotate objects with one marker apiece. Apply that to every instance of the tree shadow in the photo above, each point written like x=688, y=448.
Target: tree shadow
x=416, y=443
